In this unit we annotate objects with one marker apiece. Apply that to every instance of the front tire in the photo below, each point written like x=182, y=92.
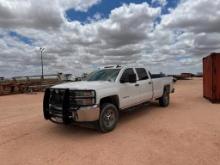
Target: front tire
x=164, y=101
x=108, y=117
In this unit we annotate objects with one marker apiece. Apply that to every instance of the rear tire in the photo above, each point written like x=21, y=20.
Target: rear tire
x=108, y=117
x=164, y=101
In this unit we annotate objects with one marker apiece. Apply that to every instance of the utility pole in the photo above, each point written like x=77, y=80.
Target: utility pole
x=42, y=64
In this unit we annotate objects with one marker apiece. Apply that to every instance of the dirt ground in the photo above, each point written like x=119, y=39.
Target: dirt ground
x=185, y=133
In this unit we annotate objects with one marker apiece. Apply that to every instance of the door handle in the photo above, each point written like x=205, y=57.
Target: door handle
x=136, y=85
x=149, y=82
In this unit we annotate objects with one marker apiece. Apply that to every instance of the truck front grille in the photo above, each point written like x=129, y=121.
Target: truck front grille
x=56, y=97
x=55, y=111
x=62, y=103
x=56, y=102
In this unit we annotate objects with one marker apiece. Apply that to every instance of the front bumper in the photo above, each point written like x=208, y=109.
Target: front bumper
x=85, y=114
x=65, y=113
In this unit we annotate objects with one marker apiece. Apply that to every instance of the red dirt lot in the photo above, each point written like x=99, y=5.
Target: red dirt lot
x=185, y=133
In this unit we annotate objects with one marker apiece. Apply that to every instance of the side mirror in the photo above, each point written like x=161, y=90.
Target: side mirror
x=132, y=78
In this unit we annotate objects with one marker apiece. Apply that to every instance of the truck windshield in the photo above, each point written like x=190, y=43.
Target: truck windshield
x=103, y=75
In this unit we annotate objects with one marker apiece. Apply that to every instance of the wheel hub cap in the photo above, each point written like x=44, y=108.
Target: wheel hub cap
x=109, y=118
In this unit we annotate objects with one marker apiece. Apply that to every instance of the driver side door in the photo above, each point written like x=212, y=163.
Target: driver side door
x=128, y=92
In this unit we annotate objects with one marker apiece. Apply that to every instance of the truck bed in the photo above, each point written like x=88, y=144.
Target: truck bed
x=159, y=81
x=153, y=76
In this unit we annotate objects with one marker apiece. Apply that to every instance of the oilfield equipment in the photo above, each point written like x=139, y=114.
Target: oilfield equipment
x=35, y=83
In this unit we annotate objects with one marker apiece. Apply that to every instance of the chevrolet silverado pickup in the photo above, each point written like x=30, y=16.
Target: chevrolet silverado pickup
x=103, y=94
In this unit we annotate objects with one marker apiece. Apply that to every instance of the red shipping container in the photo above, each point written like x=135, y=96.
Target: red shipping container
x=211, y=77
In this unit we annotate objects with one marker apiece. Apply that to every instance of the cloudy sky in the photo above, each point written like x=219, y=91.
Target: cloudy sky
x=80, y=35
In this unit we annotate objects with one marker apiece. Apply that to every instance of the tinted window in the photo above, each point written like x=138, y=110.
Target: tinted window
x=127, y=72
x=142, y=74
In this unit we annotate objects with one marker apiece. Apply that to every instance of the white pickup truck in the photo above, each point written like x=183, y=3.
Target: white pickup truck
x=103, y=94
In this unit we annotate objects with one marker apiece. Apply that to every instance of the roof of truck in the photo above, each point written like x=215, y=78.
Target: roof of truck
x=121, y=66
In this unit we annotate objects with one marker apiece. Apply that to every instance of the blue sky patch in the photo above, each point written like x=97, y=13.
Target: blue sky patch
x=104, y=8
x=180, y=58
x=21, y=38
x=171, y=4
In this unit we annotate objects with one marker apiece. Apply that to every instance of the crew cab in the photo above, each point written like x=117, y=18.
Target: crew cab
x=103, y=94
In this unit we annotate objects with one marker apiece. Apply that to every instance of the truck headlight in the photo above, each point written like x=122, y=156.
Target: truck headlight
x=85, y=101
x=86, y=93
x=82, y=97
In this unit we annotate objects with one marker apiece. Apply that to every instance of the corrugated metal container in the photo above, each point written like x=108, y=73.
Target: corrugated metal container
x=211, y=77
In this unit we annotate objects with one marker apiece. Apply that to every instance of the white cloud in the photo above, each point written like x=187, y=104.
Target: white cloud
x=128, y=24
x=41, y=14
x=127, y=36
x=79, y=5
x=196, y=16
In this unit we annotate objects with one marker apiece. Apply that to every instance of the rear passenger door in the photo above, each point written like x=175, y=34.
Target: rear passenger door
x=145, y=84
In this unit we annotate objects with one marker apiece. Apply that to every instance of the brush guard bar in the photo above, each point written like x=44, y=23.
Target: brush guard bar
x=65, y=115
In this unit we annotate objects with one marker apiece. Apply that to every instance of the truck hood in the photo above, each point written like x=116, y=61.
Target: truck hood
x=85, y=85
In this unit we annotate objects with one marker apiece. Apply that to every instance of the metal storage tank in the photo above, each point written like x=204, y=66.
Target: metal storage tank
x=211, y=77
